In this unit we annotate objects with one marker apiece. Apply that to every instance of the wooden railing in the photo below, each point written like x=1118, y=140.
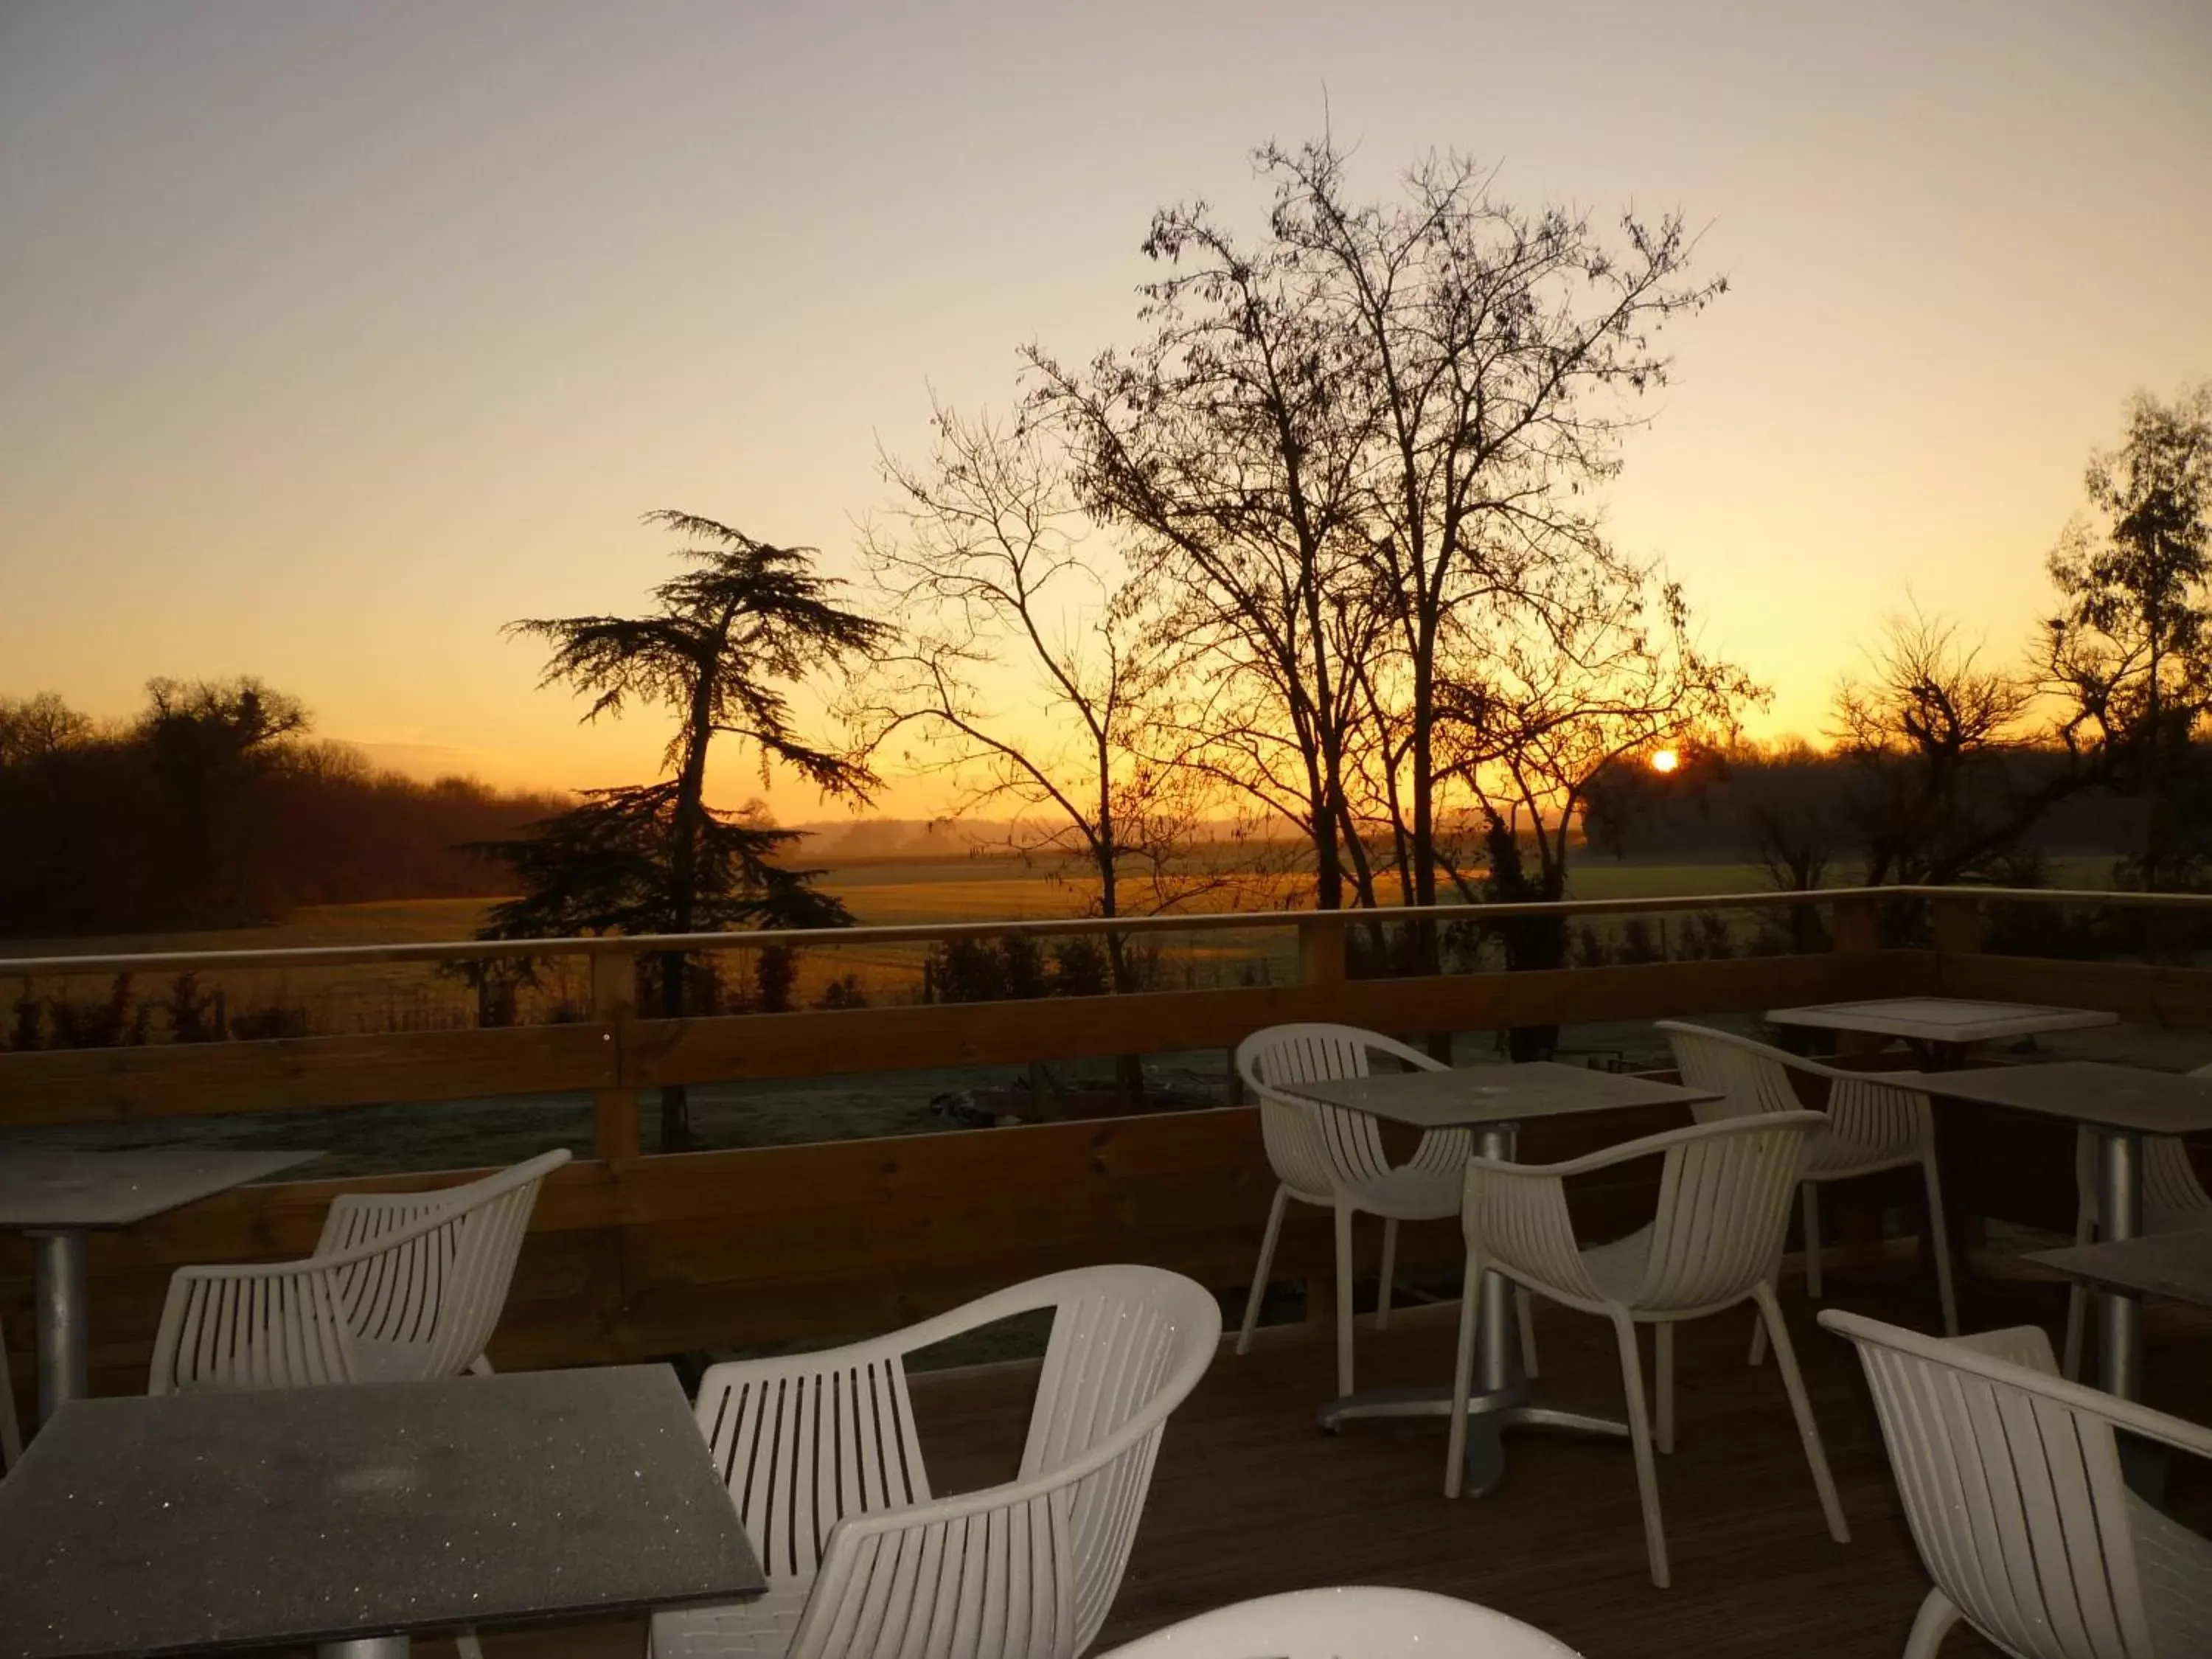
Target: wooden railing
x=634, y=1255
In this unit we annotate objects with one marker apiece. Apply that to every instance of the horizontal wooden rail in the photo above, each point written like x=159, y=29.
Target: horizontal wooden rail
x=290, y=1074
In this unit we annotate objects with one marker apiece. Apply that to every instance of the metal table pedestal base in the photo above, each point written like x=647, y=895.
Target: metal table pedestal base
x=2119, y=1314
x=63, y=1370
x=1488, y=1416
x=1499, y=1400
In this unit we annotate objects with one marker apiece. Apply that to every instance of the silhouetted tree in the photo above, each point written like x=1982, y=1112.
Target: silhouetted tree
x=1934, y=738
x=1032, y=670
x=1536, y=708
x=2130, y=649
x=35, y=728
x=1341, y=443
x=724, y=642
x=214, y=807
x=213, y=742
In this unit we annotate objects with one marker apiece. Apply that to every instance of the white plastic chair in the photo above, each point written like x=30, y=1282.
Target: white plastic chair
x=2012, y=1485
x=1873, y=1125
x=401, y=1286
x=823, y=1462
x=1331, y=1158
x=1356, y=1621
x=2173, y=1198
x=1722, y=1212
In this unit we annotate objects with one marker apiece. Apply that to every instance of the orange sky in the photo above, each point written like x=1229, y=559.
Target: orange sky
x=333, y=336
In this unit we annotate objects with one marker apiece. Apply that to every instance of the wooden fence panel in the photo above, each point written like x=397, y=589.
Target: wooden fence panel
x=611, y=1060
x=710, y=1250
x=284, y=1074
x=822, y=1043
x=2148, y=994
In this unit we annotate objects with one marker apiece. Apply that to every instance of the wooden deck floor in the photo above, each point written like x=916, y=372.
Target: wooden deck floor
x=1249, y=1499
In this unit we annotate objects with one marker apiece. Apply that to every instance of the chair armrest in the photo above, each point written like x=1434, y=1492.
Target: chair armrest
x=2021, y=1358
x=291, y=1330
x=1656, y=1145
x=2026, y=1346
x=1874, y=1113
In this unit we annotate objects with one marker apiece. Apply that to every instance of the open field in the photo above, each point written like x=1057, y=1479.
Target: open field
x=409, y=996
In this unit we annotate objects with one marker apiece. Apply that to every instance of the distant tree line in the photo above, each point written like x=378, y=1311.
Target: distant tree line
x=1945, y=767
x=214, y=807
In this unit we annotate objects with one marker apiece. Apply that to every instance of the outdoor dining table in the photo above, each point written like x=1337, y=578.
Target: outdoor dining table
x=2174, y=1267
x=1942, y=1028
x=1493, y=1101
x=356, y=1516
x=57, y=1197
x=2120, y=1104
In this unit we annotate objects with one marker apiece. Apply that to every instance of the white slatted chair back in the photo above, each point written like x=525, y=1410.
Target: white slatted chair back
x=1314, y=1148
x=403, y=1286
x=2173, y=1196
x=1873, y=1122
x=2012, y=1485
x=1725, y=1196
x=1723, y=1210
x=2173, y=1190
x=1749, y=1077
x=804, y=1442
x=1357, y=1621
x=821, y=1459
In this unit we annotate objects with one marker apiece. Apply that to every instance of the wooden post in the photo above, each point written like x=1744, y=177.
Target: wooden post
x=1857, y=932
x=1320, y=950
x=613, y=1001
x=1957, y=926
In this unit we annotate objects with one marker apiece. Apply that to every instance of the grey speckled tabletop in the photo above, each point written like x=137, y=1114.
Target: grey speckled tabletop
x=2175, y=1265
x=1475, y=1094
x=64, y=1189
x=2103, y=1096
x=1943, y=1019
x=195, y=1522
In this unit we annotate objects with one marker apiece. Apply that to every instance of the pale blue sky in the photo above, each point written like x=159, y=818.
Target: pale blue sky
x=332, y=336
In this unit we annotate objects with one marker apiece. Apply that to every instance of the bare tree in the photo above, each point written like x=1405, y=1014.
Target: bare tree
x=1553, y=698
x=1491, y=345
x=33, y=728
x=1224, y=446
x=1029, y=664
x=1944, y=783
x=1341, y=442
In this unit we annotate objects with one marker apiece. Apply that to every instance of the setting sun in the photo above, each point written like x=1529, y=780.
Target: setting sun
x=1665, y=760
